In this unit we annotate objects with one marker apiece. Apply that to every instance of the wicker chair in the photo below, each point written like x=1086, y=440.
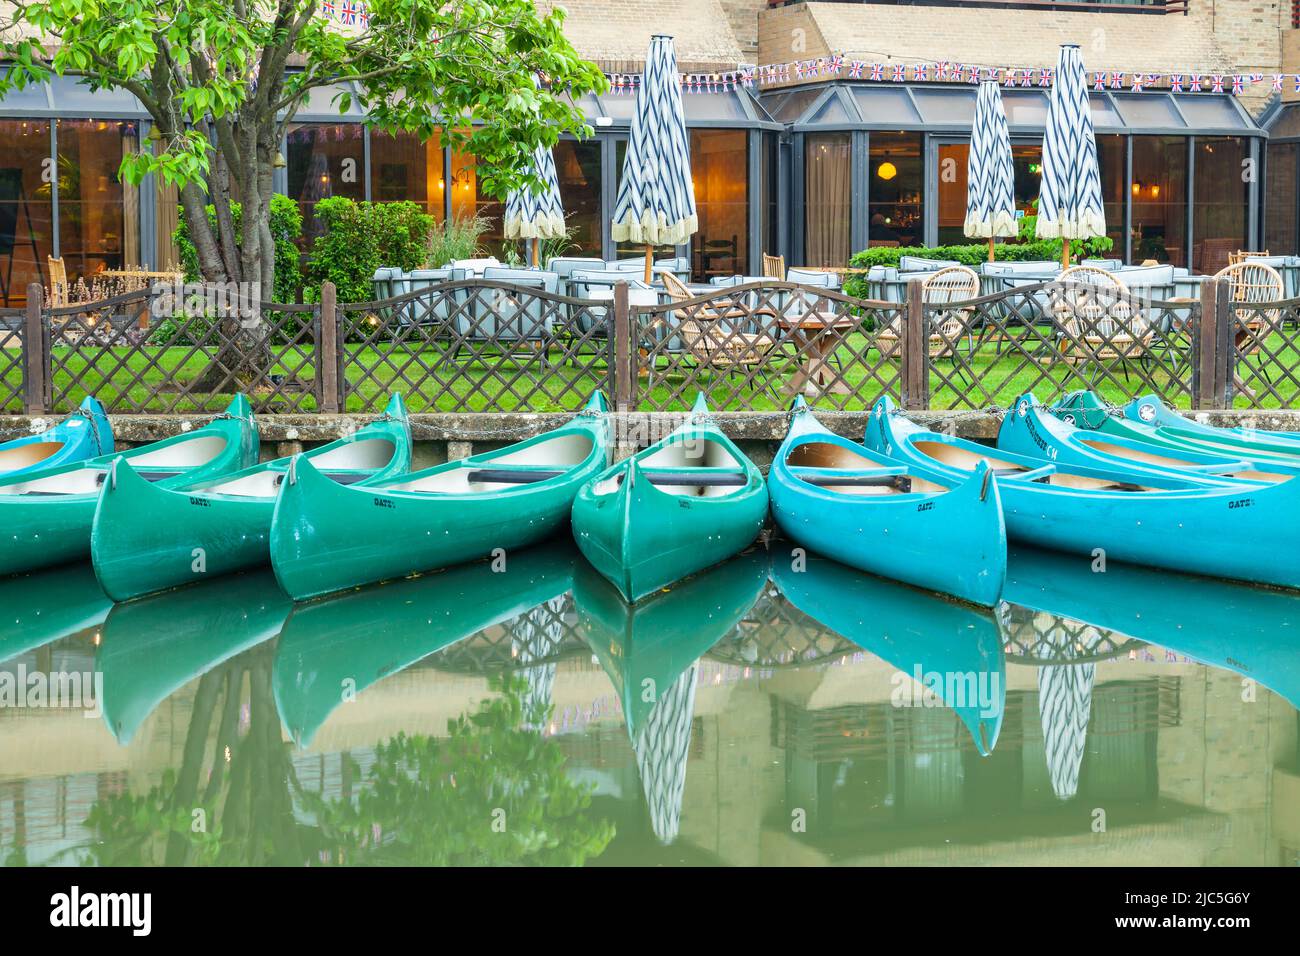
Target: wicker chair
x=1242, y=255
x=1250, y=285
x=773, y=267
x=714, y=333
x=943, y=287
x=1096, y=322
x=57, y=295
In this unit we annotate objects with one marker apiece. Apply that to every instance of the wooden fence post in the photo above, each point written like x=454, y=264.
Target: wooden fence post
x=914, y=371
x=1214, y=346
x=624, y=376
x=327, y=349
x=36, y=361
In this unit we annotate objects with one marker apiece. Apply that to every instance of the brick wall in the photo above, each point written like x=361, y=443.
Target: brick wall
x=616, y=33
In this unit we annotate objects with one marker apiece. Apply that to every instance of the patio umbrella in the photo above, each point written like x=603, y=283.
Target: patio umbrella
x=1065, y=703
x=990, y=178
x=1069, y=202
x=656, y=199
x=538, y=215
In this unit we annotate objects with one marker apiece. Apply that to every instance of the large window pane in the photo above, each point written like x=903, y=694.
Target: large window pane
x=953, y=160
x=403, y=166
x=1280, y=204
x=577, y=165
x=99, y=217
x=720, y=167
x=26, y=210
x=1159, y=197
x=894, y=195
x=827, y=183
x=771, y=162
x=468, y=199
x=324, y=160
x=1111, y=158
x=1219, y=217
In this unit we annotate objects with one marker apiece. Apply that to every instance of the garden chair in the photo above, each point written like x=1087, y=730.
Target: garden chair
x=715, y=334
x=1096, y=322
x=1250, y=285
x=773, y=266
x=1241, y=256
x=512, y=321
x=56, y=296
x=947, y=286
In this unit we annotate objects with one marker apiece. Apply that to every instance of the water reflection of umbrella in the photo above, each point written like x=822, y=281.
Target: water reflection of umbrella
x=651, y=653
x=1069, y=200
x=990, y=175
x=1065, y=702
x=656, y=196
x=536, y=636
x=364, y=636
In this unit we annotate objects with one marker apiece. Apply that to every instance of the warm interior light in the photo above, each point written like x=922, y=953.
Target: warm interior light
x=886, y=170
x=1137, y=188
x=1155, y=190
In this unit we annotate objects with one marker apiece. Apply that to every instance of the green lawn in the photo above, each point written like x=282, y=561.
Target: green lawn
x=125, y=377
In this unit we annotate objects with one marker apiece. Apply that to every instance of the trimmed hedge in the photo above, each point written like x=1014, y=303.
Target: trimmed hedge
x=360, y=237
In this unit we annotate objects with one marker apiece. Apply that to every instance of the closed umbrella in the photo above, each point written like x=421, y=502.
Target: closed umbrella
x=656, y=198
x=990, y=177
x=539, y=215
x=1069, y=202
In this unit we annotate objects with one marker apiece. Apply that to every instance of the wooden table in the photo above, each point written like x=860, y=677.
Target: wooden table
x=815, y=333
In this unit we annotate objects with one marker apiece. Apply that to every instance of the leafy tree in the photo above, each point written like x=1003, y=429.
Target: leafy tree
x=221, y=80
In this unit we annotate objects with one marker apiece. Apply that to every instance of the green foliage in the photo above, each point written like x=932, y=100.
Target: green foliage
x=457, y=238
x=972, y=255
x=493, y=792
x=286, y=227
x=359, y=238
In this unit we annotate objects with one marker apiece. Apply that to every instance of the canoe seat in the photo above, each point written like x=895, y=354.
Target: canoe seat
x=146, y=475
x=892, y=478
x=700, y=479
x=342, y=477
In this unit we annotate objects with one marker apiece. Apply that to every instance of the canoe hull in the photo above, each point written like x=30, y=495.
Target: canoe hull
x=641, y=539
x=84, y=434
x=39, y=531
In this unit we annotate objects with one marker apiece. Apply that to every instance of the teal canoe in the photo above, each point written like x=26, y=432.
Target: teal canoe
x=1029, y=428
x=682, y=505
x=147, y=538
x=1163, y=519
x=83, y=434
x=327, y=537
x=44, y=606
x=1148, y=419
x=950, y=649
x=153, y=647
x=355, y=639
x=1251, y=631
x=877, y=514
x=46, y=516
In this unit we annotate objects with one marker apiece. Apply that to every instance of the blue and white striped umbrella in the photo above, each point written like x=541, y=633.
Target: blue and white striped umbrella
x=656, y=199
x=1069, y=202
x=990, y=177
x=539, y=215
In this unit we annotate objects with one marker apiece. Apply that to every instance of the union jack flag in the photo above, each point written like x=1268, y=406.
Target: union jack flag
x=941, y=71
x=922, y=72
x=327, y=8
x=1216, y=84
x=349, y=12
x=798, y=70
x=1277, y=80
x=898, y=73
x=837, y=61
x=364, y=16
x=877, y=71
x=1099, y=81
x=1009, y=77
x=1045, y=77
x=1116, y=81
x=1138, y=82
x=1026, y=77
x=1176, y=83
x=1238, y=83
x=855, y=69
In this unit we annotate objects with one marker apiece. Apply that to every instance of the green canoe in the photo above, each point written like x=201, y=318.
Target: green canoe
x=44, y=606
x=366, y=635
x=147, y=538
x=1148, y=419
x=682, y=505
x=326, y=536
x=152, y=648
x=46, y=516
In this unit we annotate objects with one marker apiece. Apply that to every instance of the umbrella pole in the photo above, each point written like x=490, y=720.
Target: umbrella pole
x=990, y=248
x=537, y=253
x=649, y=264
x=1065, y=253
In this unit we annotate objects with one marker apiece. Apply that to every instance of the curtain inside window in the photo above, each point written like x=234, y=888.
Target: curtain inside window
x=826, y=199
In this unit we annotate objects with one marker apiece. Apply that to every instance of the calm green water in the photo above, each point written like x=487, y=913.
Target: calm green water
x=778, y=709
